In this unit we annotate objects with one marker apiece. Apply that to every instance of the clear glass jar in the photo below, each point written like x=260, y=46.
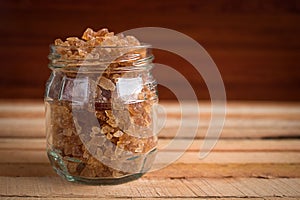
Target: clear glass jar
x=100, y=114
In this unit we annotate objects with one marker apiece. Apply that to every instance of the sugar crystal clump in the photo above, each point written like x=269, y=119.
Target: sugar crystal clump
x=89, y=46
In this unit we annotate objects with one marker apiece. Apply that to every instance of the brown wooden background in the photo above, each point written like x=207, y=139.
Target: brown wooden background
x=254, y=43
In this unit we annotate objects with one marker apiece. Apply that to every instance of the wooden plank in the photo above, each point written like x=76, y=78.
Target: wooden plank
x=23, y=143
x=55, y=187
x=38, y=131
x=175, y=170
x=14, y=127
x=256, y=108
x=264, y=191
x=23, y=108
x=233, y=145
x=20, y=156
x=39, y=156
x=26, y=169
x=13, y=108
x=258, y=187
x=232, y=133
x=237, y=157
x=244, y=120
x=243, y=128
x=226, y=151
x=240, y=122
x=223, y=145
x=225, y=170
x=144, y=188
x=285, y=187
x=34, y=128
x=292, y=184
x=211, y=187
x=246, y=191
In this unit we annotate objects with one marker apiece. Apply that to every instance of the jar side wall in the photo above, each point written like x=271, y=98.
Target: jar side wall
x=91, y=116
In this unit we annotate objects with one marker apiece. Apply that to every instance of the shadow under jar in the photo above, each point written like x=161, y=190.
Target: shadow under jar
x=100, y=114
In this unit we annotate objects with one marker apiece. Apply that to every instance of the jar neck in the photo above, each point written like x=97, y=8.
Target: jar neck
x=100, y=59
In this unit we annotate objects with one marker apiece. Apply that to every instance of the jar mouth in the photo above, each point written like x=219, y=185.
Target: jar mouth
x=100, y=57
x=142, y=45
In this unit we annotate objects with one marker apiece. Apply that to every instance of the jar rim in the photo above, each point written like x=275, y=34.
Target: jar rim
x=104, y=56
x=142, y=45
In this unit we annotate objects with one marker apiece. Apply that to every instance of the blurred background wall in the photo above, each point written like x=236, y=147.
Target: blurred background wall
x=255, y=44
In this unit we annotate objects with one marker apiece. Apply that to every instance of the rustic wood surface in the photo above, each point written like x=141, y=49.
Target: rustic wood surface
x=255, y=44
x=256, y=157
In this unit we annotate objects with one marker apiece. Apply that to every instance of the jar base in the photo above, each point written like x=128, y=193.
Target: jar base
x=99, y=181
x=58, y=166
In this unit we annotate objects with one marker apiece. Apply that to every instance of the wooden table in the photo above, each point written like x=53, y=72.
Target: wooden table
x=257, y=156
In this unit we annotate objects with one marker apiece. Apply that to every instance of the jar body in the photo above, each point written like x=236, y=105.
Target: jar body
x=100, y=125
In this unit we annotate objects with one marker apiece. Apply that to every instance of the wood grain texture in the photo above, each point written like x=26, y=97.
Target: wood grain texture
x=254, y=44
x=223, y=145
x=21, y=118
x=201, y=198
x=176, y=170
x=256, y=157
x=51, y=187
x=27, y=157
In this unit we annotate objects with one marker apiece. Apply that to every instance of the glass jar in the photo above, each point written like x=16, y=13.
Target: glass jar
x=100, y=114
